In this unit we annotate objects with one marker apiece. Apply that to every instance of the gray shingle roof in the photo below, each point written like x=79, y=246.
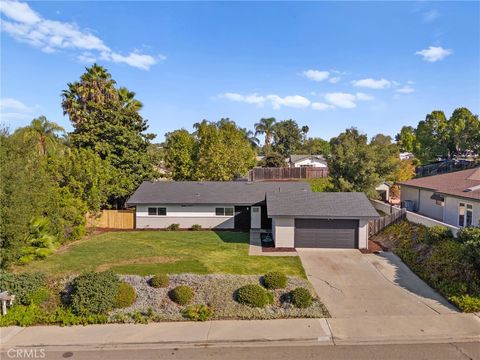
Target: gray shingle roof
x=322, y=204
x=209, y=192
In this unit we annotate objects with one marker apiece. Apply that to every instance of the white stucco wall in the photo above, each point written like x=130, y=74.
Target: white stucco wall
x=363, y=234
x=186, y=216
x=451, y=210
x=428, y=207
x=310, y=162
x=283, y=231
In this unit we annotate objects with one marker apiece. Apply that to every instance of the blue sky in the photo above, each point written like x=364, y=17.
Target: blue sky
x=329, y=65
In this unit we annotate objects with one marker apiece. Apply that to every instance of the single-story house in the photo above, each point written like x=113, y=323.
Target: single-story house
x=296, y=216
x=316, y=161
x=452, y=198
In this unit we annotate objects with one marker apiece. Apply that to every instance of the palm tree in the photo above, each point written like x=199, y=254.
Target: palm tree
x=44, y=133
x=127, y=98
x=96, y=85
x=250, y=136
x=265, y=126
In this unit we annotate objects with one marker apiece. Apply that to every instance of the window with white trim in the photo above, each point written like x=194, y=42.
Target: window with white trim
x=157, y=211
x=465, y=214
x=224, y=211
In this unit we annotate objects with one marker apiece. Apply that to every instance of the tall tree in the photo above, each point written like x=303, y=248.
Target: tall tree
x=180, y=154
x=288, y=137
x=353, y=163
x=406, y=139
x=464, y=131
x=95, y=88
x=432, y=137
x=106, y=120
x=387, y=157
x=43, y=133
x=265, y=127
x=315, y=146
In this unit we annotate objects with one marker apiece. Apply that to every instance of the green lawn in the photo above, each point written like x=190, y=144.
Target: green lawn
x=149, y=252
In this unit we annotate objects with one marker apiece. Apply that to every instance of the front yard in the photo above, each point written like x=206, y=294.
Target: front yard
x=173, y=252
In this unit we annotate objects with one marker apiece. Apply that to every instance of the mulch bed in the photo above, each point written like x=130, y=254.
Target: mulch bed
x=373, y=248
x=279, y=249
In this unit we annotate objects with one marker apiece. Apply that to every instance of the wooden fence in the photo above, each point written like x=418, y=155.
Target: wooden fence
x=286, y=173
x=112, y=219
x=377, y=225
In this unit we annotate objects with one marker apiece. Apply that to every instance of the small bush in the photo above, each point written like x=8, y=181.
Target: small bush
x=301, y=298
x=94, y=293
x=198, y=312
x=275, y=280
x=438, y=233
x=23, y=285
x=196, y=227
x=254, y=295
x=466, y=303
x=160, y=281
x=126, y=296
x=173, y=227
x=470, y=238
x=182, y=294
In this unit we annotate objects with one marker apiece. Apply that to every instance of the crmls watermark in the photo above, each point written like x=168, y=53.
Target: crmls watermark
x=25, y=353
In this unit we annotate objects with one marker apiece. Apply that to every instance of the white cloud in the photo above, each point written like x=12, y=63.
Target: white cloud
x=13, y=109
x=334, y=80
x=321, y=106
x=13, y=104
x=295, y=101
x=431, y=15
x=364, y=97
x=25, y=25
x=249, y=99
x=341, y=100
x=407, y=89
x=316, y=75
x=87, y=57
x=434, y=53
x=346, y=100
x=372, y=83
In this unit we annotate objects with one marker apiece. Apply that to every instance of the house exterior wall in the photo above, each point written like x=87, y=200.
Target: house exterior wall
x=186, y=216
x=424, y=205
x=363, y=234
x=310, y=162
x=283, y=231
x=451, y=210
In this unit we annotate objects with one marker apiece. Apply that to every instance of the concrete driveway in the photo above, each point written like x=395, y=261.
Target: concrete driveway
x=352, y=284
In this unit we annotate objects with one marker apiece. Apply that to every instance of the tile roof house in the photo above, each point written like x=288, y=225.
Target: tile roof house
x=452, y=198
x=296, y=216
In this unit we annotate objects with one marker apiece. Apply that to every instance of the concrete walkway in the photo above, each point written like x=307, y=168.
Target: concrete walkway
x=352, y=284
x=347, y=331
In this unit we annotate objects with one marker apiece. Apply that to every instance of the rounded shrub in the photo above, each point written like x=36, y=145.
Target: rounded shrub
x=301, y=297
x=126, y=295
x=275, y=280
x=438, y=233
x=173, y=227
x=198, y=312
x=196, y=227
x=182, y=294
x=160, y=281
x=94, y=293
x=254, y=295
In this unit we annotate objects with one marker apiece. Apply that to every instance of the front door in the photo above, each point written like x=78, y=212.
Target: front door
x=256, y=217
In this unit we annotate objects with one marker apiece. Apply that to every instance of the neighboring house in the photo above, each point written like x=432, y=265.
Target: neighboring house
x=297, y=216
x=383, y=191
x=452, y=198
x=406, y=156
x=316, y=161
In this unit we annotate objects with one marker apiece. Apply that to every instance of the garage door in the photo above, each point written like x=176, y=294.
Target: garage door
x=322, y=233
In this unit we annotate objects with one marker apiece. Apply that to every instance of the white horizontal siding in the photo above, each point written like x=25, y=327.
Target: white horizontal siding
x=183, y=211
